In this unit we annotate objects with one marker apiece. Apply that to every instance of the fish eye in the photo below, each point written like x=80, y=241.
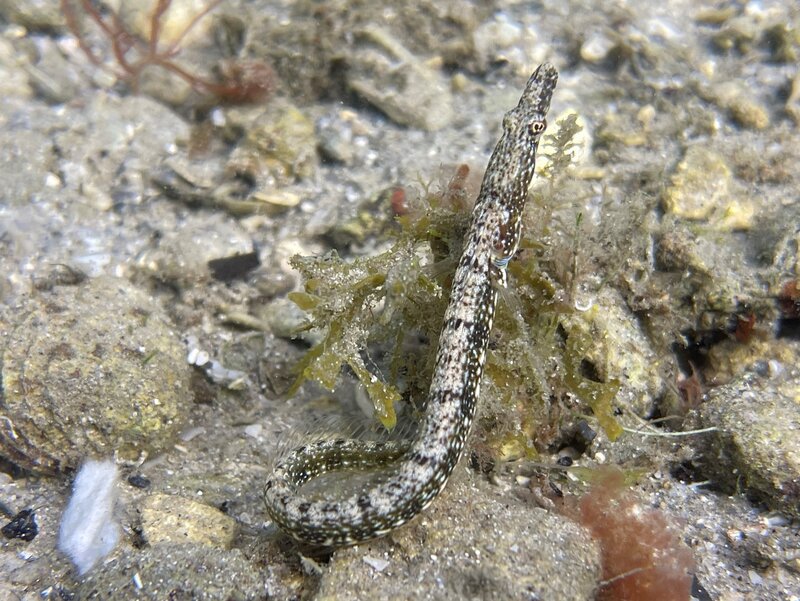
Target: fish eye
x=537, y=127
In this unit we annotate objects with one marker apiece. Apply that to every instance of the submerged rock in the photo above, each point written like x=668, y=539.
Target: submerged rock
x=468, y=553
x=92, y=369
x=174, y=519
x=700, y=183
x=277, y=147
x=757, y=445
x=175, y=571
x=402, y=86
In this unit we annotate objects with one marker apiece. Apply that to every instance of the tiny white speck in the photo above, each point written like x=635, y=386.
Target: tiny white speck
x=51, y=180
x=217, y=118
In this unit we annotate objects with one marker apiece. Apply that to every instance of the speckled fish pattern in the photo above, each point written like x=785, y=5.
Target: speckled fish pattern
x=421, y=467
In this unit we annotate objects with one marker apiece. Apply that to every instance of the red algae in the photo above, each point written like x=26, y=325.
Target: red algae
x=643, y=556
x=236, y=81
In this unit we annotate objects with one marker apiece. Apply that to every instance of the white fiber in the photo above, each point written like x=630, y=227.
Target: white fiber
x=88, y=532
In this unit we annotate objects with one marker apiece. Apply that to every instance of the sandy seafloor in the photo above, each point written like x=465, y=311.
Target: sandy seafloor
x=113, y=197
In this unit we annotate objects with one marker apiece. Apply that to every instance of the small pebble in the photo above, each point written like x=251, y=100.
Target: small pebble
x=192, y=433
x=253, y=430
x=138, y=481
x=596, y=48
x=749, y=113
x=377, y=564
x=22, y=526
x=777, y=520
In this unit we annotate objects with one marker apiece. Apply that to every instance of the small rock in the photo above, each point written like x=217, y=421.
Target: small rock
x=174, y=519
x=493, y=37
x=253, y=430
x=376, y=563
x=138, y=481
x=715, y=16
x=596, y=47
x=461, y=549
x=335, y=135
x=33, y=14
x=53, y=77
x=737, y=33
x=100, y=155
x=286, y=320
x=616, y=128
x=621, y=350
x=279, y=145
x=741, y=104
x=186, y=253
x=227, y=269
x=91, y=369
x=391, y=78
x=28, y=155
x=700, y=183
x=22, y=526
x=182, y=22
x=748, y=112
x=757, y=445
x=276, y=201
x=14, y=81
x=677, y=250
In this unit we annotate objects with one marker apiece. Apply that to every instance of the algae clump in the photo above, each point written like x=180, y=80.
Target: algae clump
x=392, y=304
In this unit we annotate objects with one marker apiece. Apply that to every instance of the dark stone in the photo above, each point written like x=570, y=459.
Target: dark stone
x=22, y=526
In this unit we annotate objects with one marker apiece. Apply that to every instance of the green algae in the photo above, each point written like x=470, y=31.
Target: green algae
x=536, y=363
x=340, y=295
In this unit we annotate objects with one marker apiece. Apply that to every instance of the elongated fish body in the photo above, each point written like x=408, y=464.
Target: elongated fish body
x=421, y=467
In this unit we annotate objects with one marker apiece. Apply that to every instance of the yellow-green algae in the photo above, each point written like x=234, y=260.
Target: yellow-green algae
x=535, y=366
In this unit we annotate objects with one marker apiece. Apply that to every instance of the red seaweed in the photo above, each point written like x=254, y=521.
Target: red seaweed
x=237, y=81
x=643, y=557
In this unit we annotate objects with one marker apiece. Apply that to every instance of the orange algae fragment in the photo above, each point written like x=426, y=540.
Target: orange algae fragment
x=643, y=556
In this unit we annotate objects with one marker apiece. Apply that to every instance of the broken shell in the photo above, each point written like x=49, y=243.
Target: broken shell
x=92, y=369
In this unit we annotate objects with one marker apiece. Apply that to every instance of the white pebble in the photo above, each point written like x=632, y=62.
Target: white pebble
x=253, y=430
x=596, y=48
x=377, y=564
x=192, y=433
